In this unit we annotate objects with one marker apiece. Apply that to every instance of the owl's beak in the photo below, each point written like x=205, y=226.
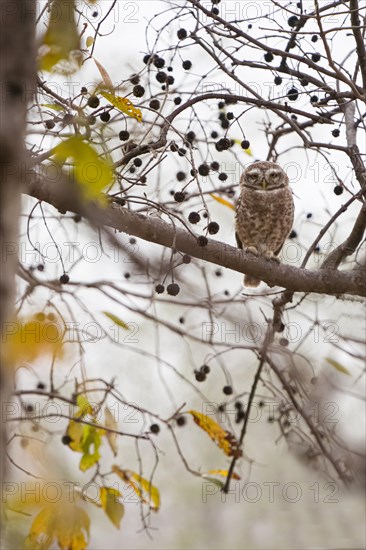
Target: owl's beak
x=263, y=184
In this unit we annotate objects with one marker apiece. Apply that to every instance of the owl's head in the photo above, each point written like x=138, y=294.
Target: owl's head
x=264, y=176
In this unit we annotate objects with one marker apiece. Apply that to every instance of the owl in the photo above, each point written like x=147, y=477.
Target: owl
x=264, y=212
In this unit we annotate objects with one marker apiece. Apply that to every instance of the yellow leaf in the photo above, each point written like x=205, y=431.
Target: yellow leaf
x=223, y=439
x=84, y=438
x=25, y=339
x=67, y=523
x=53, y=106
x=60, y=49
x=116, y=320
x=111, y=505
x=124, y=105
x=223, y=473
x=338, y=366
x=144, y=490
x=111, y=436
x=223, y=201
x=90, y=171
x=89, y=41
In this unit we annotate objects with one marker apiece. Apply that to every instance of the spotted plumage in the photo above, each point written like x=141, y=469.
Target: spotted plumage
x=264, y=212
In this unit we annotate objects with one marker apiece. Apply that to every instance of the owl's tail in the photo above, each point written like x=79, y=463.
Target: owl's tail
x=250, y=281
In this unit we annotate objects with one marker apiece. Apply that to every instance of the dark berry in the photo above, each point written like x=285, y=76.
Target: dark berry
x=182, y=34
x=173, y=148
x=66, y=439
x=173, y=289
x=293, y=234
x=91, y=120
x=190, y=136
x=181, y=176
x=218, y=273
x=194, y=217
x=154, y=104
x=179, y=196
x=335, y=133
x=338, y=190
x=181, y=152
x=200, y=376
x=304, y=82
x=83, y=90
x=228, y=390
x=138, y=91
x=49, y=124
x=245, y=144
x=127, y=275
x=314, y=99
x=161, y=76
x=225, y=124
x=223, y=144
x=202, y=240
x=215, y=11
x=104, y=117
x=64, y=279
x=314, y=38
x=293, y=94
x=269, y=57
x=93, y=101
x=68, y=118
x=193, y=172
x=135, y=79
x=177, y=100
x=309, y=215
x=230, y=116
x=159, y=289
x=147, y=58
x=41, y=386
x=214, y=134
x=222, y=176
x=215, y=165
x=283, y=342
x=181, y=421
x=293, y=21
x=40, y=317
x=181, y=320
x=315, y=57
x=155, y=428
x=187, y=64
x=221, y=104
x=278, y=80
x=159, y=62
x=132, y=170
x=124, y=135
x=213, y=228
x=186, y=259
x=203, y=170
x=137, y=162
x=261, y=404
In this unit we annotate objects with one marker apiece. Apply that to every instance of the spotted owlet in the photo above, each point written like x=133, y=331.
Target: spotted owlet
x=264, y=212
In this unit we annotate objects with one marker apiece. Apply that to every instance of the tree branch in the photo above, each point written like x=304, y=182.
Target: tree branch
x=63, y=196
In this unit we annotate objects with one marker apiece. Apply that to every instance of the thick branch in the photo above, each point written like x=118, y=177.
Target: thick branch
x=350, y=245
x=62, y=195
x=361, y=49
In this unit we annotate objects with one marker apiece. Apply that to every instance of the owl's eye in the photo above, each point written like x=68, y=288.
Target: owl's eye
x=253, y=176
x=274, y=176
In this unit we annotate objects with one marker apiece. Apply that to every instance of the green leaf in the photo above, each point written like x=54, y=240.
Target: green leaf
x=111, y=505
x=53, y=106
x=338, y=366
x=116, y=320
x=60, y=49
x=91, y=172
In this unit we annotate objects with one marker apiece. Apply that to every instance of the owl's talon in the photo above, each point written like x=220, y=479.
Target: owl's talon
x=252, y=250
